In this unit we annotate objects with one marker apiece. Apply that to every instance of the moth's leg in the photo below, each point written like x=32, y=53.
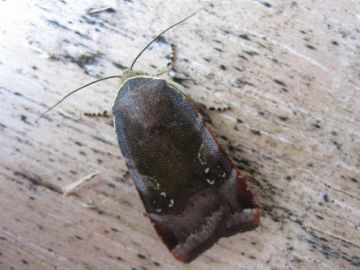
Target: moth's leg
x=214, y=106
x=209, y=105
x=171, y=63
x=177, y=77
x=161, y=71
x=173, y=73
x=104, y=114
x=170, y=67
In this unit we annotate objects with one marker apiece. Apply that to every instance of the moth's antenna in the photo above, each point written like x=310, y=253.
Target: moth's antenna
x=115, y=76
x=73, y=92
x=159, y=35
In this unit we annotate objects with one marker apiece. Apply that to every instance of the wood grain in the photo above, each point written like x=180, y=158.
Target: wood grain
x=290, y=71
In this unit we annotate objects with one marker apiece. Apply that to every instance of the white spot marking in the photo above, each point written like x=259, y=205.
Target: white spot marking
x=171, y=203
x=210, y=182
x=201, y=161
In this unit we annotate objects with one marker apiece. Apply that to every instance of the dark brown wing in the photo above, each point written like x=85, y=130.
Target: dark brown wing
x=190, y=188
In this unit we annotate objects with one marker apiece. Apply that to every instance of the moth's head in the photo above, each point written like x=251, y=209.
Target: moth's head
x=128, y=74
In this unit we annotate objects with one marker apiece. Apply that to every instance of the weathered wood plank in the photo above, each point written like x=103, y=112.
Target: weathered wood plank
x=290, y=71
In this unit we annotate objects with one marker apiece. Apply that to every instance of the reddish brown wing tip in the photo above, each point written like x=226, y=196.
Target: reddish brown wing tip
x=249, y=219
x=208, y=215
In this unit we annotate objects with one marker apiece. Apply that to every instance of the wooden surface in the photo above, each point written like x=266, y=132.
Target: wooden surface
x=289, y=69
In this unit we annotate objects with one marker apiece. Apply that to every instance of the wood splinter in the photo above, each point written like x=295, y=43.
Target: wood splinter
x=69, y=189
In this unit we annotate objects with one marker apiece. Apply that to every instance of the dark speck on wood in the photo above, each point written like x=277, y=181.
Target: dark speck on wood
x=266, y=4
x=78, y=143
x=57, y=24
x=316, y=125
x=244, y=36
x=354, y=180
x=240, y=83
x=311, y=47
x=83, y=60
x=226, y=32
x=37, y=181
x=238, y=120
x=118, y=65
x=338, y=146
x=238, y=69
x=283, y=118
x=279, y=82
x=275, y=60
x=141, y=256
x=82, y=35
x=242, y=57
x=24, y=119
x=256, y=132
x=88, y=20
x=251, y=53
x=111, y=185
x=161, y=40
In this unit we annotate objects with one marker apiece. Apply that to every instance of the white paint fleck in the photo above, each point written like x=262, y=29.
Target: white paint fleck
x=207, y=170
